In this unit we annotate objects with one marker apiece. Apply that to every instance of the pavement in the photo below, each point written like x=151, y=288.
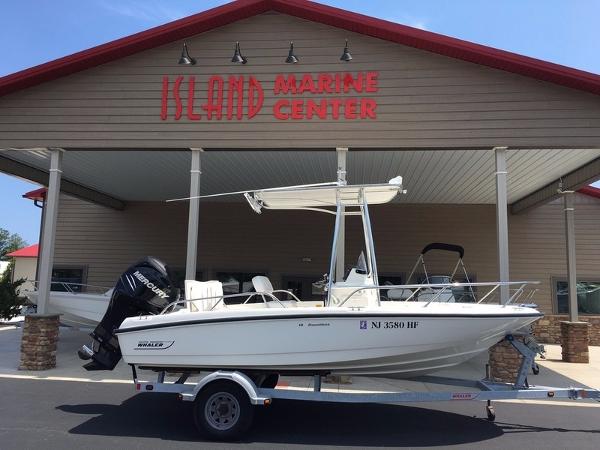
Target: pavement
x=68, y=406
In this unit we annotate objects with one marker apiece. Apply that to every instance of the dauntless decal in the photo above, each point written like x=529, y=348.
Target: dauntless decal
x=149, y=284
x=154, y=345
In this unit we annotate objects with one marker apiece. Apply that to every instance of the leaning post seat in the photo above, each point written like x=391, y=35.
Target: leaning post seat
x=204, y=295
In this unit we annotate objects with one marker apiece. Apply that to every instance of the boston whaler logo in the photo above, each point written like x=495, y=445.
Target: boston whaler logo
x=154, y=345
x=149, y=285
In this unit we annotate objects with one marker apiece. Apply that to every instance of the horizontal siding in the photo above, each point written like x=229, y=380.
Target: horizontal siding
x=232, y=238
x=425, y=100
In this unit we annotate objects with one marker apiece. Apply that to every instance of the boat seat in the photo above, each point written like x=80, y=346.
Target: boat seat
x=262, y=285
x=204, y=294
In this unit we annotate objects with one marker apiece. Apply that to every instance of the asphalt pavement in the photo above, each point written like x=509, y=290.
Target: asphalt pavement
x=69, y=414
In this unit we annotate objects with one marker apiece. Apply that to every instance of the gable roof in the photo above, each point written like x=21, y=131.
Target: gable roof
x=592, y=191
x=358, y=23
x=25, y=252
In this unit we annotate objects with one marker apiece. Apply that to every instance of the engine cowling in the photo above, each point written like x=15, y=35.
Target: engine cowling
x=144, y=288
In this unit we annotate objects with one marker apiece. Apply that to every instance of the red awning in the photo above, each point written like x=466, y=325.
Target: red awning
x=38, y=194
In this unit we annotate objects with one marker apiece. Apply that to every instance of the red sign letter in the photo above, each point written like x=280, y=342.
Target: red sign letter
x=254, y=107
x=190, y=104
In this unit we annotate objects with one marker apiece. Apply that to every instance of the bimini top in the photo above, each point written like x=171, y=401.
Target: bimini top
x=314, y=196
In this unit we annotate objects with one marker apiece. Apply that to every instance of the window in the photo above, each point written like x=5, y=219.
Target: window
x=179, y=277
x=236, y=283
x=68, y=279
x=588, y=296
x=304, y=287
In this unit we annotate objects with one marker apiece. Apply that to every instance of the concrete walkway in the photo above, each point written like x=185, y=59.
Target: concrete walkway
x=553, y=372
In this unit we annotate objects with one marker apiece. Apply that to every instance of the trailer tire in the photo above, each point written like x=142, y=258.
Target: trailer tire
x=222, y=411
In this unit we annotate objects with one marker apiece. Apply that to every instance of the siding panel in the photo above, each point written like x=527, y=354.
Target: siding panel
x=425, y=100
x=235, y=239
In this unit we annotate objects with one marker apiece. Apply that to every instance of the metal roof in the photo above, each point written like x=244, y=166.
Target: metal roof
x=25, y=252
x=444, y=176
x=231, y=12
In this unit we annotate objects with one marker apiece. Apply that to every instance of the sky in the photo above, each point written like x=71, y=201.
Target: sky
x=36, y=31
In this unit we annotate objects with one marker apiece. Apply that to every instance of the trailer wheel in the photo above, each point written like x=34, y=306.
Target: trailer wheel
x=222, y=411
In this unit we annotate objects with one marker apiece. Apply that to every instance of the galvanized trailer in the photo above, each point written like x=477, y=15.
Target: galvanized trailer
x=224, y=400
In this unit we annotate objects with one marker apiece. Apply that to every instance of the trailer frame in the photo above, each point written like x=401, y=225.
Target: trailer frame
x=488, y=390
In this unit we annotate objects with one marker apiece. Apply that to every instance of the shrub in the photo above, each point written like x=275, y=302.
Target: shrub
x=10, y=301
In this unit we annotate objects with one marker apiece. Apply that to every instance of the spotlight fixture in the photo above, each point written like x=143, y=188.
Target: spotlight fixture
x=292, y=59
x=186, y=59
x=237, y=55
x=346, y=56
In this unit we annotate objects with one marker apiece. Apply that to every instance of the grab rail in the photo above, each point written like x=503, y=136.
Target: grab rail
x=444, y=286
x=67, y=285
x=223, y=297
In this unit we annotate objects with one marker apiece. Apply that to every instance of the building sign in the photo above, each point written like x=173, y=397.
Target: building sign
x=321, y=96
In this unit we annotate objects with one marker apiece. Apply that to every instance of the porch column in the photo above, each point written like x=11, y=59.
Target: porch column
x=502, y=221
x=40, y=331
x=342, y=153
x=194, y=216
x=569, y=209
x=574, y=334
x=49, y=230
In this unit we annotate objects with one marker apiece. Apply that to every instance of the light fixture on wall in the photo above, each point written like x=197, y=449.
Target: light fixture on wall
x=186, y=59
x=237, y=55
x=346, y=56
x=292, y=59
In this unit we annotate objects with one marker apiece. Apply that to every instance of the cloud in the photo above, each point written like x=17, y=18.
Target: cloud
x=418, y=24
x=408, y=20
x=149, y=10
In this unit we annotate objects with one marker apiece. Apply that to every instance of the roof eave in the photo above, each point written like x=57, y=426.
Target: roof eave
x=354, y=22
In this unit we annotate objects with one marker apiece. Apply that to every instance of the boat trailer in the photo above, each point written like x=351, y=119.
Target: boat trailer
x=224, y=399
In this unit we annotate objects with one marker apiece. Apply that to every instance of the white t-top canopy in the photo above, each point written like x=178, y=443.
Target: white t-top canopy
x=296, y=197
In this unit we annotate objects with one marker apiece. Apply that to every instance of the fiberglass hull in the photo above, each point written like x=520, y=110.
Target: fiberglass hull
x=75, y=309
x=404, y=339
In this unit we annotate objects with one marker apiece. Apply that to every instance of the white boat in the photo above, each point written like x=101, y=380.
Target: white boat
x=80, y=309
x=351, y=332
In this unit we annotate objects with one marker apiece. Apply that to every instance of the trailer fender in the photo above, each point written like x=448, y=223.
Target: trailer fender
x=236, y=377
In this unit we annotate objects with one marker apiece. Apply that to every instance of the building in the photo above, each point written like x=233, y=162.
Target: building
x=483, y=138
x=25, y=263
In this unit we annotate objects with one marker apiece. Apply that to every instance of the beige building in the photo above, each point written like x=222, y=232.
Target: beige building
x=483, y=138
x=25, y=264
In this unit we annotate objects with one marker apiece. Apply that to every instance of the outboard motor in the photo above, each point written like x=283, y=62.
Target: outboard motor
x=145, y=288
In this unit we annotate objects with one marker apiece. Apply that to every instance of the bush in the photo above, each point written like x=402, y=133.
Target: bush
x=10, y=302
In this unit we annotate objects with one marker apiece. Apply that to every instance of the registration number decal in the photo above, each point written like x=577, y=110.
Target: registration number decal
x=388, y=324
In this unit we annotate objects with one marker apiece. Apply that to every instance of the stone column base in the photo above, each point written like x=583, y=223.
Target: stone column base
x=574, y=340
x=38, y=343
x=505, y=362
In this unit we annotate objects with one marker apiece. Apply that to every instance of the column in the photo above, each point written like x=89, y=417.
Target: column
x=502, y=221
x=574, y=335
x=194, y=216
x=49, y=230
x=342, y=154
x=569, y=209
x=40, y=331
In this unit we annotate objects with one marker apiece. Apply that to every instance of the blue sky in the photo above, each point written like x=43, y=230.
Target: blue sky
x=36, y=31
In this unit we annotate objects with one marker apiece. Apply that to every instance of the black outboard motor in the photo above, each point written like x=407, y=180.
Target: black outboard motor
x=145, y=288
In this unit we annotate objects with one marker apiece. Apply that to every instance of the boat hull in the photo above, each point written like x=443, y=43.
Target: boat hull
x=353, y=342
x=75, y=309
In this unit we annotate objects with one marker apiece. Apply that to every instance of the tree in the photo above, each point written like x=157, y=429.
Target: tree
x=9, y=242
x=10, y=302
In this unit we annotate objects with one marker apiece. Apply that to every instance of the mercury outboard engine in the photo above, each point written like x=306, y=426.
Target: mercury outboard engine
x=145, y=288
